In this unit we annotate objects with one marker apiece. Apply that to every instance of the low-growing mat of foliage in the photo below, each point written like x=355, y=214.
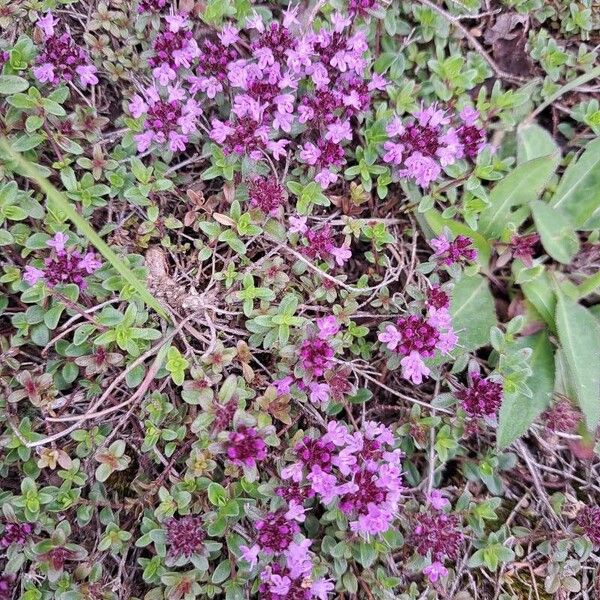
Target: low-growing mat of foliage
x=299, y=301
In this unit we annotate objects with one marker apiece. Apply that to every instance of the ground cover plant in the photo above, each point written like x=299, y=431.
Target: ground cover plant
x=299, y=300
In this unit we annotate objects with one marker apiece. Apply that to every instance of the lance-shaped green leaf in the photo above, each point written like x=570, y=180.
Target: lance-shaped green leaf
x=518, y=412
x=473, y=313
x=62, y=204
x=534, y=141
x=579, y=335
x=517, y=189
x=578, y=192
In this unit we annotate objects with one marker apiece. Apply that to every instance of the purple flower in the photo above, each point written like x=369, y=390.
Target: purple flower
x=324, y=484
x=413, y=368
x=436, y=500
x=321, y=588
x=185, y=536
x=47, y=24
x=435, y=571
x=89, y=263
x=87, y=75
x=266, y=194
x=32, y=275
x=376, y=520
x=58, y=242
x=459, y=251
x=276, y=532
x=298, y=224
x=250, y=555
x=589, y=521
x=328, y=326
x=341, y=255
x=391, y=337
x=15, y=533
x=245, y=447
x=319, y=393
x=61, y=59
x=482, y=398
x=437, y=534
x=315, y=356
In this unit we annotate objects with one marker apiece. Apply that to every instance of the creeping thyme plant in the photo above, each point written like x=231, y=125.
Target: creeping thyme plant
x=299, y=300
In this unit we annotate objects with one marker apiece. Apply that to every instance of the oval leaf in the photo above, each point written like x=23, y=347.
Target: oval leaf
x=557, y=234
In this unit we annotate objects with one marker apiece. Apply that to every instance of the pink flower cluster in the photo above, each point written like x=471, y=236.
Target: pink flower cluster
x=292, y=579
x=170, y=118
x=454, y=252
x=65, y=265
x=437, y=535
x=320, y=243
x=482, y=398
x=61, y=59
x=424, y=144
x=315, y=358
x=360, y=472
x=266, y=194
x=417, y=337
x=289, y=89
x=185, y=536
x=245, y=447
x=15, y=533
x=151, y=5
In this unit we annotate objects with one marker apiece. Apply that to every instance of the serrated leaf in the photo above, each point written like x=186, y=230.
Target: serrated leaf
x=473, y=312
x=579, y=335
x=518, y=412
x=518, y=188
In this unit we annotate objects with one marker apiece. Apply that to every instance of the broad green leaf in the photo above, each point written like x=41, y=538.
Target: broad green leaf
x=518, y=188
x=578, y=192
x=518, y=412
x=541, y=295
x=556, y=231
x=437, y=223
x=534, y=141
x=11, y=84
x=63, y=205
x=473, y=312
x=579, y=335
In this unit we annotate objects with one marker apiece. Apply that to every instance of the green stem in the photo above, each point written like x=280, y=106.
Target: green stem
x=59, y=200
x=563, y=90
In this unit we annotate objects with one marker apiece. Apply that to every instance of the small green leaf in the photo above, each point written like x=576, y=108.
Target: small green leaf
x=12, y=84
